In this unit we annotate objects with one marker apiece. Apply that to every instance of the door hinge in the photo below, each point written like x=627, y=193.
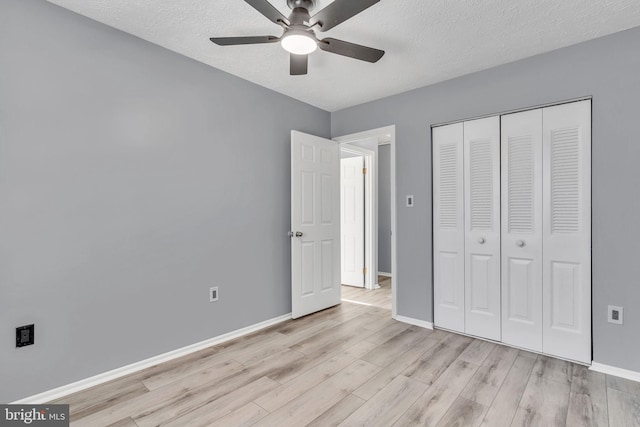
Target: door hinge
x=364, y=171
x=364, y=270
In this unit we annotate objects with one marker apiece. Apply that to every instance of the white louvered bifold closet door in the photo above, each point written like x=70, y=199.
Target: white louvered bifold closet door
x=448, y=227
x=521, y=149
x=482, y=227
x=567, y=231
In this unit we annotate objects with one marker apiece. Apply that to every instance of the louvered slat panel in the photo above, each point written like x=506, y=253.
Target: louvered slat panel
x=565, y=181
x=521, y=184
x=481, y=180
x=448, y=186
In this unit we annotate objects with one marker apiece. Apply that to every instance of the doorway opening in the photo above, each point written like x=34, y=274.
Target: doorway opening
x=368, y=212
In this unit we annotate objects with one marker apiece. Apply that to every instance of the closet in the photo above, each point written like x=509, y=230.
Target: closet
x=512, y=229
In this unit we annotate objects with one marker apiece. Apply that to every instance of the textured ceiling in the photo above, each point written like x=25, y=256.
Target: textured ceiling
x=425, y=41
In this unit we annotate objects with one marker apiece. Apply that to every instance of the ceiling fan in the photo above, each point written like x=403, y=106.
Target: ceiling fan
x=299, y=38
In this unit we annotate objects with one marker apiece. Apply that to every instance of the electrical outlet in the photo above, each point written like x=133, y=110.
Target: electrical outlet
x=213, y=294
x=25, y=335
x=614, y=314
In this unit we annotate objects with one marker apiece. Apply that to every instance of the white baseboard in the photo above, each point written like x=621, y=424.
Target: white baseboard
x=383, y=274
x=416, y=322
x=618, y=372
x=77, y=386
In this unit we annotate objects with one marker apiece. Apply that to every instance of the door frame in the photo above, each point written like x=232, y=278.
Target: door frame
x=386, y=136
x=370, y=211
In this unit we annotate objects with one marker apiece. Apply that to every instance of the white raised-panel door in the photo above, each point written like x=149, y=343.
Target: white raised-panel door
x=521, y=151
x=352, y=220
x=482, y=227
x=315, y=224
x=567, y=231
x=448, y=227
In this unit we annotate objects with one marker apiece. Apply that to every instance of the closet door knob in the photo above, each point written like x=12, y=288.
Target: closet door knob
x=481, y=240
x=520, y=243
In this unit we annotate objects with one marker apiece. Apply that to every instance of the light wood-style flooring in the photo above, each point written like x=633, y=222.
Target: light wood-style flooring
x=378, y=298
x=353, y=365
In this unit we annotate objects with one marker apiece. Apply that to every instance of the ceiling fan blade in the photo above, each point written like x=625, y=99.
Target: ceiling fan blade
x=270, y=12
x=351, y=50
x=339, y=11
x=298, y=64
x=231, y=41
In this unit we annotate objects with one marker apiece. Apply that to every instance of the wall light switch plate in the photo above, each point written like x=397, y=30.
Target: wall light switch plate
x=410, y=200
x=614, y=314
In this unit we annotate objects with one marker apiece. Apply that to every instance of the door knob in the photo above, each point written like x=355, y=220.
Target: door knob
x=520, y=243
x=481, y=240
x=298, y=233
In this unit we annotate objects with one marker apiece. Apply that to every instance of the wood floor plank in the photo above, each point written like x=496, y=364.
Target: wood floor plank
x=391, y=371
x=544, y=403
x=553, y=369
x=204, y=415
x=220, y=364
x=622, y=384
x=127, y=422
x=380, y=298
x=463, y=413
x=97, y=398
x=434, y=403
x=388, y=405
x=525, y=353
x=333, y=338
x=294, y=326
x=477, y=351
x=254, y=353
x=624, y=408
x=214, y=390
x=378, y=323
x=313, y=403
x=437, y=359
x=338, y=412
x=486, y=383
x=298, y=335
x=505, y=404
x=388, y=332
x=399, y=344
x=189, y=393
x=288, y=391
x=245, y=416
x=588, y=399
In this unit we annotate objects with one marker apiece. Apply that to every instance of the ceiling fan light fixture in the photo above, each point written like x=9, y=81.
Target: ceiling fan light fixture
x=299, y=42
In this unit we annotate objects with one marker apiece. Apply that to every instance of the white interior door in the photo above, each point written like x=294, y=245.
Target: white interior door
x=315, y=224
x=352, y=220
x=448, y=227
x=482, y=227
x=522, y=229
x=567, y=231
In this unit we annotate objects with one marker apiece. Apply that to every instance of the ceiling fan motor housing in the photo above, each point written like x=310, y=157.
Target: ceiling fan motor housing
x=305, y=4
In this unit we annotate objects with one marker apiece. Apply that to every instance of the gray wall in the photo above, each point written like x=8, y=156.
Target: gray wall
x=384, y=208
x=132, y=179
x=606, y=68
